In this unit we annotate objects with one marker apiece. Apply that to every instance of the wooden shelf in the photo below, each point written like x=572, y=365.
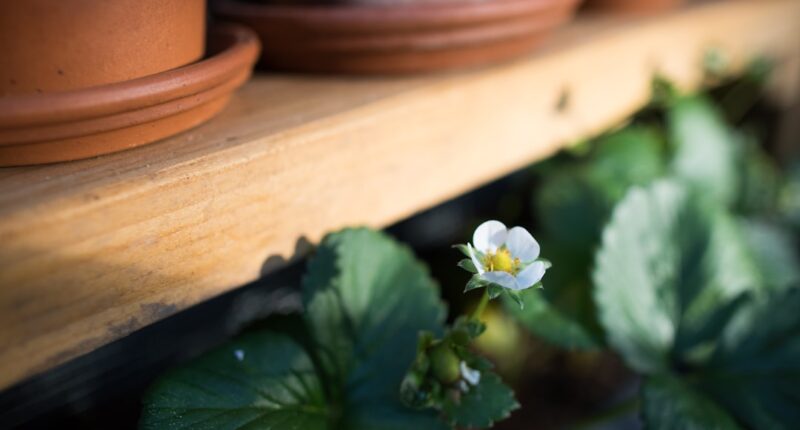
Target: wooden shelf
x=92, y=250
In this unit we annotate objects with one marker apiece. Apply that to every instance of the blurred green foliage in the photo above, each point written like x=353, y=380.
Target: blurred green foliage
x=686, y=305
x=685, y=137
x=673, y=239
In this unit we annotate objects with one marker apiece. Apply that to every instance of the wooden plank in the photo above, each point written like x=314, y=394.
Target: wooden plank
x=92, y=250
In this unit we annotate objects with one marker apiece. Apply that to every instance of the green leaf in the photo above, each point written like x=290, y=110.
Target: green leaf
x=759, y=70
x=755, y=372
x=490, y=401
x=631, y=290
x=678, y=291
x=564, y=313
x=667, y=261
x=705, y=148
x=696, y=342
x=573, y=205
x=789, y=199
x=260, y=380
x=669, y=403
x=774, y=253
x=366, y=299
x=760, y=181
x=415, y=391
x=632, y=156
x=538, y=316
x=572, y=211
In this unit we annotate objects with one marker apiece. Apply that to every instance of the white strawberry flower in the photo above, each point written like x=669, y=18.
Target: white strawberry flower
x=506, y=257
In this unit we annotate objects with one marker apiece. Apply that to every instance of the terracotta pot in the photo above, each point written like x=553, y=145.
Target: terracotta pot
x=44, y=128
x=55, y=45
x=396, y=39
x=634, y=6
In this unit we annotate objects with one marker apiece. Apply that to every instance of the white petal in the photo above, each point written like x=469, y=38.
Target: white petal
x=489, y=236
x=472, y=376
x=503, y=279
x=530, y=275
x=475, y=260
x=522, y=245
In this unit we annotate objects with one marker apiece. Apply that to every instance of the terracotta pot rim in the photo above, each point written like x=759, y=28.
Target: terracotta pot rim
x=240, y=50
x=119, y=121
x=397, y=39
x=633, y=6
x=433, y=40
x=389, y=18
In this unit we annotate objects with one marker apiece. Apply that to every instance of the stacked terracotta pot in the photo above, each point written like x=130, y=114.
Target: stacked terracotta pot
x=396, y=36
x=86, y=77
x=80, y=78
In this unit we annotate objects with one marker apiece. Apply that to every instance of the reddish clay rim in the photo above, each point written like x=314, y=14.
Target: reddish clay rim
x=397, y=39
x=634, y=6
x=240, y=48
x=389, y=18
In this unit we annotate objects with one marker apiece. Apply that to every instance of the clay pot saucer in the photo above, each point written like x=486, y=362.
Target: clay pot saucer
x=399, y=38
x=634, y=6
x=70, y=125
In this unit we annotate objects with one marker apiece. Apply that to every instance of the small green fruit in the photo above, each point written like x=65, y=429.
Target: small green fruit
x=444, y=363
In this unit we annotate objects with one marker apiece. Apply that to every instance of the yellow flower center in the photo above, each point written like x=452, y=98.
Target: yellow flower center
x=501, y=261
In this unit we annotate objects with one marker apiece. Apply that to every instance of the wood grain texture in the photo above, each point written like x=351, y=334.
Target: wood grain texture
x=92, y=250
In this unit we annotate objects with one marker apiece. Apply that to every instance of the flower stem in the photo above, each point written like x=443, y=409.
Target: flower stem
x=476, y=314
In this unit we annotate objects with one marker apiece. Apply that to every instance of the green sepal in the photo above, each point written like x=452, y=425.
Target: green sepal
x=467, y=265
x=495, y=291
x=477, y=362
x=514, y=295
x=475, y=282
x=463, y=248
x=466, y=329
